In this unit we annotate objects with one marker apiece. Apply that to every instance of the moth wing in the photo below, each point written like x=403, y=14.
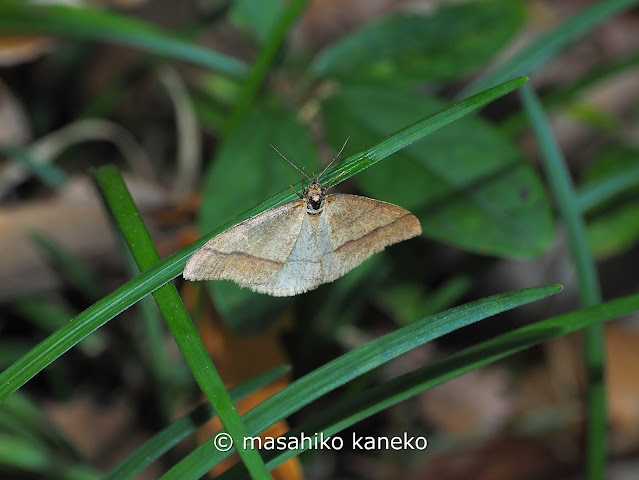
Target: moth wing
x=251, y=252
x=361, y=227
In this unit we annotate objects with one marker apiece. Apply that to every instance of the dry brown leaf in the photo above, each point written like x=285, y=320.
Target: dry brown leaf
x=509, y=458
x=562, y=382
x=478, y=401
x=14, y=123
x=622, y=378
x=101, y=434
x=76, y=219
x=16, y=49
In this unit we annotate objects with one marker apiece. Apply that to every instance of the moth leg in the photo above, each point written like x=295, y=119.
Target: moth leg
x=334, y=180
x=296, y=192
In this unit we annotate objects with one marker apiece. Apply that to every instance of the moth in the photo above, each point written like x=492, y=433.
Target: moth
x=299, y=245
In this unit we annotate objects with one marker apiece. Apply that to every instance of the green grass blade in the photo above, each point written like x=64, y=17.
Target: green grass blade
x=588, y=283
x=98, y=25
x=153, y=351
x=565, y=95
x=597, y=193
x=137, y=238
x=376, y=399
x=354, y=364
x=550, y=44
x=49, y=174
x=561, y=185
x=122, y=298
x=164, y=440
x=264, y=60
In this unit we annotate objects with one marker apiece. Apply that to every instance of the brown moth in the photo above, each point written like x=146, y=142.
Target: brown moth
x=297, y=246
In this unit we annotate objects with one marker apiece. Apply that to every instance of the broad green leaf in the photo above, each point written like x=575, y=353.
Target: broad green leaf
x=259, y=17
x=468, y=185
x=245, y=172
x=409, y=47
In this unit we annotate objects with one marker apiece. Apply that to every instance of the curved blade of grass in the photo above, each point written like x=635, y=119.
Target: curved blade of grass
x=595, y=194
x=92, y=24
x=167, y=438
x=137, y=238
x=549, y=44
x=565, y=94
x=587, y=280
x=264, y=60
x=122, y=298
x=49, y=174
x=371, y=401
x=354, y=364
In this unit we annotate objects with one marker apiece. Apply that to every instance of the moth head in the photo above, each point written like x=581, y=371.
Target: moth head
x=314, y=195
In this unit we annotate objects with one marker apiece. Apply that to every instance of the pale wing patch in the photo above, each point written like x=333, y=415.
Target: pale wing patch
x=361, y=227
x=252, y=251
x=303, y=270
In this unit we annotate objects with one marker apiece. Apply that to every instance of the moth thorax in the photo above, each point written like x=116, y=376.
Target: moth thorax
x=314, y=196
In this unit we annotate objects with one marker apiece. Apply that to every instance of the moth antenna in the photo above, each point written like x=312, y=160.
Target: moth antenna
x=292, y=164
x=330, y=184
x=335, y=158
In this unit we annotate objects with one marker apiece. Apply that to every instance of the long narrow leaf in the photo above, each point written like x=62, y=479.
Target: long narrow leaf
x=587, y=280
x=92, y=24
x=137, y=238
x=264, y=59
